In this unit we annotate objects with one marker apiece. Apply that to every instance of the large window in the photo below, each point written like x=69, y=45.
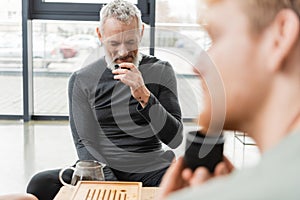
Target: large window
x=61, y=36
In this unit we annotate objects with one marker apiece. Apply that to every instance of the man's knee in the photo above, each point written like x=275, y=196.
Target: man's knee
x=40, y=179
x=45, y=185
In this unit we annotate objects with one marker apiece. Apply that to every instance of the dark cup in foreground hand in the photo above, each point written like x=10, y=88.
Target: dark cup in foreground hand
x=203, y=150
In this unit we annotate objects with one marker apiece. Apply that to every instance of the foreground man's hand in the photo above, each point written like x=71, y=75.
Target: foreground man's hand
x=178, y=177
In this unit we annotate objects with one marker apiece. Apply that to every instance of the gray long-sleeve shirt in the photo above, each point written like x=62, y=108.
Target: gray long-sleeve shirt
x=110, y=126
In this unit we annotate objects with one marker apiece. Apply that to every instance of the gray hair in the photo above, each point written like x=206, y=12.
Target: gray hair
x=121, y=10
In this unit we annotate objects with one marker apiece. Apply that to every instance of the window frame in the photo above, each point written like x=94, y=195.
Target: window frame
x=79, y=11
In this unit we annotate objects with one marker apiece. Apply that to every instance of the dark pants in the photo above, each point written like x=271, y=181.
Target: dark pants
x=45, y=185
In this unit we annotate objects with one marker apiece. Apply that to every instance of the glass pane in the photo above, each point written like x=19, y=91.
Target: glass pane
x=11, y=100
x=59, y=48
x=183, y=38
x=84, y=1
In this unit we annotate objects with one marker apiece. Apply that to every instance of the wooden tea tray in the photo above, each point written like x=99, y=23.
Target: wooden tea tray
x=107, y=190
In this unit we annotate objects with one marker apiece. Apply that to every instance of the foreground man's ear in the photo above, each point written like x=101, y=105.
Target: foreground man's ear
x=283, y=36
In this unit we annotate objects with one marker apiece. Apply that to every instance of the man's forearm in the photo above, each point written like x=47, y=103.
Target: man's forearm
x=142, y=95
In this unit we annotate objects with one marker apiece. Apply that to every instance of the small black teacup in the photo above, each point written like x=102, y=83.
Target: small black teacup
x=203, y=150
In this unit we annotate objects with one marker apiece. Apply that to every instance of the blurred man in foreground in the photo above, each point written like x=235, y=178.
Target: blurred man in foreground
x=256, y=50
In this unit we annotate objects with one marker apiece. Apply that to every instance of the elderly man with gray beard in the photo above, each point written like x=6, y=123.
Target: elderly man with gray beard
x=122, y=107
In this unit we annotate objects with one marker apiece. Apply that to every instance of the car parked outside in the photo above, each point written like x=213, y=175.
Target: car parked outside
x=75, y=44
x=43, y=51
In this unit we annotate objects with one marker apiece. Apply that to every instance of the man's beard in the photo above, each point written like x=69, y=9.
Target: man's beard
x=111, y=62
